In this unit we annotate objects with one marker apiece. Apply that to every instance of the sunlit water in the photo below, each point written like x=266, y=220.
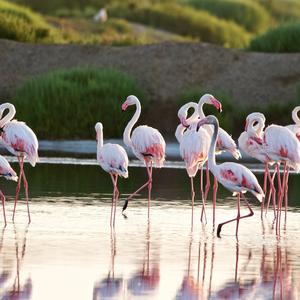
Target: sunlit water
x=70, y=252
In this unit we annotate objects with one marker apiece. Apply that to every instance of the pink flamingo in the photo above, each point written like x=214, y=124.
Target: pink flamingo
x=21, y=141
x=194, y=146
x=235, y=177
x=147, y=144
x=224, y=143
x=113, y=159
x=295, y=127
x=251, y=141
x=7, y=172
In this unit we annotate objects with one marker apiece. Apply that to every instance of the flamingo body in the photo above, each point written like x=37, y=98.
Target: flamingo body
x=20, y=140
x=113, y=159
x=194, y=147
x=295, y=129
x=148, y=144
x=238, y=179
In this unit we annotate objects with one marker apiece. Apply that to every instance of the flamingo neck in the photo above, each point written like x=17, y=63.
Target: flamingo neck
x=295, y=115
x=256, y=130
x=99, y=138
x=11, y=113
x=200, y=109
x=179, y=132
x=212, y=148
x=128, y=129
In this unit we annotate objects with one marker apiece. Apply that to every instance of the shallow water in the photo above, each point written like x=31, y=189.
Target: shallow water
x=70, y=252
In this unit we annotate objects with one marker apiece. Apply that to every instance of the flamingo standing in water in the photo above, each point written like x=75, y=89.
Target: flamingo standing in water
x=194, y=146
x=251, y=142
x=295, y=127
x=7, y=172
x=21, y=141
x=235, y=177
x=147, y=144
x=113, y=159
x=224, y=143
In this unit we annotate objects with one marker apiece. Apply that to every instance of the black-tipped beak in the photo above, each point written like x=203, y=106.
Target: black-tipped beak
x=125, y=205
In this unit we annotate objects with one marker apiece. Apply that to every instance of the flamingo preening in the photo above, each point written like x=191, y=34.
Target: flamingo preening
x=113, y=159
x=7, y=172
x=147, y=144
x=194, y=146
x=21, y=141
x=235, y=177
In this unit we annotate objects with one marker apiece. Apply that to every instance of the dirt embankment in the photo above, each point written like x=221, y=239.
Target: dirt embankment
x=164, y=70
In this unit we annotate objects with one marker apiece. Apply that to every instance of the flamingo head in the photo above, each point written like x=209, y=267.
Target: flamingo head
x=130, y=100
x=210, y=120
x=98, y=128
x=255, y=122
x=183, y=121
x=210, y=99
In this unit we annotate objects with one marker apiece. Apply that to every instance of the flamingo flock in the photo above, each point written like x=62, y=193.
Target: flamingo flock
x=200, y=139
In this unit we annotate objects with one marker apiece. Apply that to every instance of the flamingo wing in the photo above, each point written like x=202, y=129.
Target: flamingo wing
x=148, y=144
x=18, y=138
x=6, y=170
x=113, y=159
x=295, y=129
x=226, y=143
x=238, y=178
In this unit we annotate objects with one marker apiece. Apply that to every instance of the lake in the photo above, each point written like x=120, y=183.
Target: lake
x=70, y=252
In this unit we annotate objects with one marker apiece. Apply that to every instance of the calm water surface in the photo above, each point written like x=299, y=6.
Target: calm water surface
x=70, y=252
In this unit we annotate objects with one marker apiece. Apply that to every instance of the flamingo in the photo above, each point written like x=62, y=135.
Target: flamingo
x=224, y=143
x=233, y=176
x=281, y=145
x=147, y=144
x=251, y=141
x=20, y=140
x=295, y=127
x=193, y=146
x=7, y=172
x=114, y=160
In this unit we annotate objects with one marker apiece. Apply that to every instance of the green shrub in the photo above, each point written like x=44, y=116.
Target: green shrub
x=283, y=10
x=21, y=24
x=185, y=21
x=284, y=38
x=66, y=104
x=252, y=16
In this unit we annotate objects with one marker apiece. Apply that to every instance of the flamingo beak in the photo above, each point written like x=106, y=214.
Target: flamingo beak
x=201, y=123
x=217, y=104
x=124, y=106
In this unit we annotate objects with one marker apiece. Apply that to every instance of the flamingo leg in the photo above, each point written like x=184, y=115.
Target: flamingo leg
x=238, y=214
x=280, y=198
x=26, y=192
x=3, y=207
x=18, y=186
x=264, y=189
x=207, y=186
x=251, y=213
x=286, y=194
x=215, y=189
x=149, y=187
x=117, y=193
x=272, y=192
x=193, y=198
x=113, y=198
x=139, y=189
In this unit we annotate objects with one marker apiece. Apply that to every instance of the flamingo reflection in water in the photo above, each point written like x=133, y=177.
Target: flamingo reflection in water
x=111, y=286
x=145, y=282
x=4, y=275
x=19, y=291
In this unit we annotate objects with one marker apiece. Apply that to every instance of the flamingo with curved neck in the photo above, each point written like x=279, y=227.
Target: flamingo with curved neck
x=113, y=159
x=295, y=128
x=147, y=144
x=21, y=141
x=193, y=147
x=233, y=176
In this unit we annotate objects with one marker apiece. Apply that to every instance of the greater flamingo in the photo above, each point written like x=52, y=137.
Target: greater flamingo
x=235, y=177
x=147, y=144
x=295, y=127
x=251, y=142
x=21, y=141
x=113, y=159
x=7, y=172
x=224, y=143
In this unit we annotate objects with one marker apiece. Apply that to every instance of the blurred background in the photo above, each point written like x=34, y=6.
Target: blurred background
x=166, y=52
